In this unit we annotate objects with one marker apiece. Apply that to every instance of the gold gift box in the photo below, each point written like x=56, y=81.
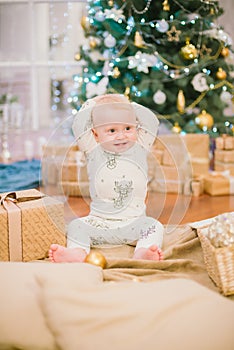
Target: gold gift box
x=220, y=166
x=217, y=184
x=225, y=156
x=30, y=221
x=75, y=189
x=54, y=150
x=197, y=186
x=190, y=150
x=166, y=186
x=224, y=142
x=200, y=166
x=72, y=172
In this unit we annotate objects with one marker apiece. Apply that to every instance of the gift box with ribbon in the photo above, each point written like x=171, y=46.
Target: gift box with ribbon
x=224, y=142
x=30, y=221
x=219, y=183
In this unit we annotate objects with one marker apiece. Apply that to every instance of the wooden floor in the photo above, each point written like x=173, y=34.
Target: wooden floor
x=169, y=209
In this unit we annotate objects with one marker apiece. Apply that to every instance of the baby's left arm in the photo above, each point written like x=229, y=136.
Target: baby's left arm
x=147, y=125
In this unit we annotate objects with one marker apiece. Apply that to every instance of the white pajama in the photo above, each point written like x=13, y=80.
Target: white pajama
x=118, y=188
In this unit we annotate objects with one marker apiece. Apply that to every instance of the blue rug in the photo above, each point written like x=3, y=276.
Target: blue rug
x=21, y=175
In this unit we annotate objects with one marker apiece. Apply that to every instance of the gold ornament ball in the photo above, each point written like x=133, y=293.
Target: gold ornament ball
x=176, y=128
x=225, y=52
x=85, y=24
x=221, y=74
x=96, y=258
x=92, y=44
x=77, y=56
x=189, y=51
x=204, y=120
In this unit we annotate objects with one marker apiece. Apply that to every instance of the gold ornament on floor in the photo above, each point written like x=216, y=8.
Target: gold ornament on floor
x=180, y=101
x=85, y=24
x=204, y=120
x=138, y=40
x=224, y=52
x=96, y=258
x=189, y=51
x=176, y=128
x=116, y=73
x=77, y=56
x=166, y=6
x=221, y=74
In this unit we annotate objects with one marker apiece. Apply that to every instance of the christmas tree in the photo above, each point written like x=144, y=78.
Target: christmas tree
x=170, y=56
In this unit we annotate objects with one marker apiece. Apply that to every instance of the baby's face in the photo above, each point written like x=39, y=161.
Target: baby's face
x=116, y=137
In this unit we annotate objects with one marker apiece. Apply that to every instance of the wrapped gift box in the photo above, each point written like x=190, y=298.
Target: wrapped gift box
x=76, y=189
x=30, y=221
x=200, y=166
x=225, y=156
x=219, y=183
x=198, y=146
x=54, y=150
x=166, y=186
x=221, y=166
x=179, y=150
x=197, y=186
x=157, y=154
x=224, y=142
x=72, y=172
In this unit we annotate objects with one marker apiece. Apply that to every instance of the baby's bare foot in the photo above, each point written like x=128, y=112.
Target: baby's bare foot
x=58, y=253
x=151, y=253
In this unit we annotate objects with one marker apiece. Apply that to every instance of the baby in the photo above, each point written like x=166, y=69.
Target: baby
x=115, y=136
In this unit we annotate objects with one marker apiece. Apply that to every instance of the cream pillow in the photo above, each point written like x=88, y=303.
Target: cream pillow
x=22, y=324
x=166, y=315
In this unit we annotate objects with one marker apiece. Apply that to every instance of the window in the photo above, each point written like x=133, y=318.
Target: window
x=38, y=42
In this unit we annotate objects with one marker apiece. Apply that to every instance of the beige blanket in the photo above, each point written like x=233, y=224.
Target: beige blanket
x=65, y=306
x=183, y=258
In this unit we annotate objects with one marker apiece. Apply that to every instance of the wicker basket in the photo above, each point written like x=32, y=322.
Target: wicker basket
x=219, y=263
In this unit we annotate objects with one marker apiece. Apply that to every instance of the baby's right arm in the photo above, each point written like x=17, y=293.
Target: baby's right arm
x=82, y=127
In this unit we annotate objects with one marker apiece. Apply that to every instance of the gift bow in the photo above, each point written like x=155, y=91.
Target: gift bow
x=9, y=202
